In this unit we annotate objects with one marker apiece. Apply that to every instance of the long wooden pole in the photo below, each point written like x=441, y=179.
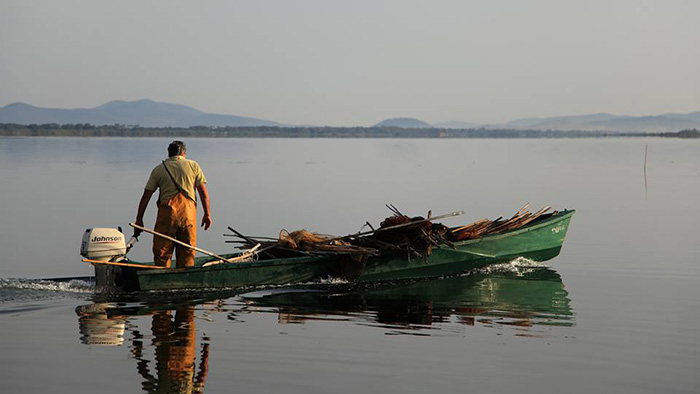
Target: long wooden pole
x=200, y=250
x=93, y=262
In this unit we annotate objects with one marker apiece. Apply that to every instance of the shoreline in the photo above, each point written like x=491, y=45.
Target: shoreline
x=86, y=130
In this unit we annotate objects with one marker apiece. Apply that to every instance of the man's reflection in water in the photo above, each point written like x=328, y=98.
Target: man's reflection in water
x=175, y=353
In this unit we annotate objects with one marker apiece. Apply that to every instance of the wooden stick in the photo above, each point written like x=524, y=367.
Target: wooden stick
x=536, y=215
x=251, y=240
x=258, y=237
x=646, y=151
x=200, y=250
x=254, y=241
x=527, y=204
x=478, y=222
x=93, y=262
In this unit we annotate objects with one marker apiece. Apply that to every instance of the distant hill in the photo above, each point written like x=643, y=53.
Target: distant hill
x=145, y=113
x=694, y=116
x=650, y=124
x=456, y=124
x=226, y=120
x=608, y=122
x=406, y=123
x=561, y=121
x=591, y=122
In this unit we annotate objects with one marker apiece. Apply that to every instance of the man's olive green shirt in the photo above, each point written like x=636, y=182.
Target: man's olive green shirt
x=186, y=172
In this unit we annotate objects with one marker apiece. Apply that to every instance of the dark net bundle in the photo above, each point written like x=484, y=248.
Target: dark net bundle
x=415, y=235
x=314, y=243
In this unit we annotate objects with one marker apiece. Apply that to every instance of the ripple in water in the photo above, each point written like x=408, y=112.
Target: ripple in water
x=21, y=290
x=71, y=286
x=519, y=266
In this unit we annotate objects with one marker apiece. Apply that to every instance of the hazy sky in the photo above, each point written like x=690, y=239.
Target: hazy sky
x=357, y=62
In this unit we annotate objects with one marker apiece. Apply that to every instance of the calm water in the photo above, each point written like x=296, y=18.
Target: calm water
x=616, y=312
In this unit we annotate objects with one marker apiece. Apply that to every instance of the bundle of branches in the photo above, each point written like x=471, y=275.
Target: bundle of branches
x=484, y=227
x=301, y=242
x=313, y=242
x=399, y=232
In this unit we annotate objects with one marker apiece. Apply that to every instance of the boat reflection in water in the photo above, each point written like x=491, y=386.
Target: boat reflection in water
x=98, y=329
x=529, y=299
x=526, y=300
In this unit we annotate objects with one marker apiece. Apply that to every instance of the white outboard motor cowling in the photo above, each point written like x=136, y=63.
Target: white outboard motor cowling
x=103, y=244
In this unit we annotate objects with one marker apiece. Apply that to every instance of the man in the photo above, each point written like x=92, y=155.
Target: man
x=177, y=178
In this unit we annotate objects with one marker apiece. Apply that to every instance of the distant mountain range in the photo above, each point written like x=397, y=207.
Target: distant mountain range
x=148, y=113
x=608, y=122
x=145, y=113
x=413, y=123
x=671, y=122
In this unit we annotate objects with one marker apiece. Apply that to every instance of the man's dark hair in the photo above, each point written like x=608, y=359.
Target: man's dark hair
x=176, y=148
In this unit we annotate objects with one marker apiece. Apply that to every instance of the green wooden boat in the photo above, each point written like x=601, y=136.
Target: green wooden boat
x=539, y=240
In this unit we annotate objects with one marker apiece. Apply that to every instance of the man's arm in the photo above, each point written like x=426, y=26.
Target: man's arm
x=204, y=196
x=143, y=204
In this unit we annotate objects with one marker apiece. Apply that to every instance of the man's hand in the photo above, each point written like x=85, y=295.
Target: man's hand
x=206, y=222
x=204, y=195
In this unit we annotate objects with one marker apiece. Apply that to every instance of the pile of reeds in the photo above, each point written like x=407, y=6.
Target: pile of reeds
x=398, y=233
x=314, y=242
x=300, y=243
x=484, y=227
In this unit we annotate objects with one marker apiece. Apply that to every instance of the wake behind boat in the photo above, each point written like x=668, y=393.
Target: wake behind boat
x=401, y=248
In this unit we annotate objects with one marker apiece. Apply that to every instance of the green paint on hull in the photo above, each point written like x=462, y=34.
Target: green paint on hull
x=539, y=241
x=269, y=272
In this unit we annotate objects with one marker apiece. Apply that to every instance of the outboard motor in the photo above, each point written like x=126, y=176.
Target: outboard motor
x=105, y=244
x=108, y=245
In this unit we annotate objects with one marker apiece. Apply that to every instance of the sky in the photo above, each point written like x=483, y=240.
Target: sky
x=348, y=63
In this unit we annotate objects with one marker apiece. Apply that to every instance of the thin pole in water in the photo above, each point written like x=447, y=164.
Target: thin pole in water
x=646, y=151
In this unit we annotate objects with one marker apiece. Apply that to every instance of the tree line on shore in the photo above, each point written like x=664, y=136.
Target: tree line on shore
x=118, y=130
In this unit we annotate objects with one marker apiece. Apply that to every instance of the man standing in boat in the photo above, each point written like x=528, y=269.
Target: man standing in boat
x=176, y=178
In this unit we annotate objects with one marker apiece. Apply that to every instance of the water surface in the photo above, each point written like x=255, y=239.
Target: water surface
x=615, y=312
